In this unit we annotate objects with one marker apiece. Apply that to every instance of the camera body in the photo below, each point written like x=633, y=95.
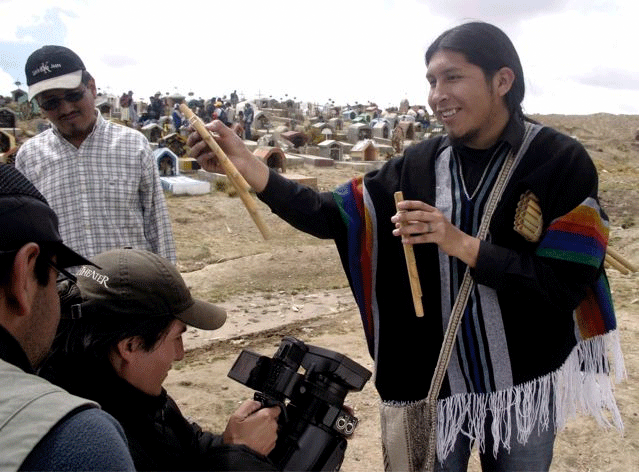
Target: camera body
x=314, y=424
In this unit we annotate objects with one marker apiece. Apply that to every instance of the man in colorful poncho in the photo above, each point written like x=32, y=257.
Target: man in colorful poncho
x=533, y=344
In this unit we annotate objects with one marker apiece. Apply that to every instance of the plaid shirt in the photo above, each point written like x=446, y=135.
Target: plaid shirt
x=106, y=193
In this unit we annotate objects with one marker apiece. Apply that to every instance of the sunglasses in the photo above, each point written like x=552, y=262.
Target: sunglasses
x=54, y=102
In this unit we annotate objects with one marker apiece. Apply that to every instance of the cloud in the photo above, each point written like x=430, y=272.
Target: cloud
x=345, y=50
x=506, y=13
x=611, y=78
x=117, y=61
x=7, y=83
x=497, y=11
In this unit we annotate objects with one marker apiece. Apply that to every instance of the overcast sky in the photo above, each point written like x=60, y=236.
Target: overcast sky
x=579, y=56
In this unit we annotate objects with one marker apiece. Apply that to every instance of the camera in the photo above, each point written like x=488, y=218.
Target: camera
x=314, y=424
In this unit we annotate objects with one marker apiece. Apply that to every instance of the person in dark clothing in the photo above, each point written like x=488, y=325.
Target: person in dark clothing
x=505, y=213
x=176, y=115
x=129, y=316
x=248, y=120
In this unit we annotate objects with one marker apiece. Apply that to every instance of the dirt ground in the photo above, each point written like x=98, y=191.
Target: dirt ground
x=293, y=285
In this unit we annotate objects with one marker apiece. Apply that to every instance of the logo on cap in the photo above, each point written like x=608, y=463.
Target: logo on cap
x=101, y=279
x=45, y=68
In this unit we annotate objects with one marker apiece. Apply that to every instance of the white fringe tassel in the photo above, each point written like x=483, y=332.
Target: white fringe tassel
x=583, y=385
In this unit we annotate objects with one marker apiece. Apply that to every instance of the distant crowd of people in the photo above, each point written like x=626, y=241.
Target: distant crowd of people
x=215, y=108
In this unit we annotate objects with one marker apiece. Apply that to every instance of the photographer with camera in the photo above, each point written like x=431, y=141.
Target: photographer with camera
x=121, y=331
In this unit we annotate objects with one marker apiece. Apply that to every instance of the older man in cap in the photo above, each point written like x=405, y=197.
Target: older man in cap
x=42, y=426
x=100, y=177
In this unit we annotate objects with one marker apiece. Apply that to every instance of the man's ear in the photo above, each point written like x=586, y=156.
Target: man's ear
x=92, y=87
x=23, y=285
x=503, y=80
x=128, y=346
x=121, y=355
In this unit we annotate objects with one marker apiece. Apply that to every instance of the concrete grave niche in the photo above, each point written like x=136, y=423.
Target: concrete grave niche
x=320, y=131
x=261, y=121
x=381, y=130
x=336, y=124
x=167, y=162
x=8, y=147
x=264, y=103
x=153, y=132
x=364, y=151
x=273, y=157
x=7, y=118
x=20, y=96
x=358, y=132
x=297, y=138
x=408, y=127
x=104, y=106
x=331, y=149
x=349, y=115
x=172, y=181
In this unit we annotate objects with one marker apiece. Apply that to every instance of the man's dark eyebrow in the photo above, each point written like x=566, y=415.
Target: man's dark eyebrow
x=445, y=71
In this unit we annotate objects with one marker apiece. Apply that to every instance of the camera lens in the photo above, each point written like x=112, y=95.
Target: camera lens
x=350, y=427
x=340, y=423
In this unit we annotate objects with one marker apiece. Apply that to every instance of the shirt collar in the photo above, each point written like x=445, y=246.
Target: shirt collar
x=514, y=131
x=117, y=396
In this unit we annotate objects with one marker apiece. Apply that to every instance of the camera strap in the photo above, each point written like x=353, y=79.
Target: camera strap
x=464, y=292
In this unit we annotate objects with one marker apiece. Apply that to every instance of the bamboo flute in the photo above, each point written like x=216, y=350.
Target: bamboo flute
x=528, y=223
x=234, y=176
x=409, y=254
x=623, y=261
x=612, y=262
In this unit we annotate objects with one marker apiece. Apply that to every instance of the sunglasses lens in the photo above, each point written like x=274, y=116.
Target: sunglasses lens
x=50, y=104
x=74, y=96
x=54, y=102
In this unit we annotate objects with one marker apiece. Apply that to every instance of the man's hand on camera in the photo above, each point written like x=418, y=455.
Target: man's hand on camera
x=253, y=426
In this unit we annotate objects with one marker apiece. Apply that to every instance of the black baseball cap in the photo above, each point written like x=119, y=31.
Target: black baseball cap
x=141, y=284
x=25, y=216
x=53, y=67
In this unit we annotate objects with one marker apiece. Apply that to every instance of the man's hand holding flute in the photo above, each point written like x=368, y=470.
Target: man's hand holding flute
x=417, y=223
x=252, y=169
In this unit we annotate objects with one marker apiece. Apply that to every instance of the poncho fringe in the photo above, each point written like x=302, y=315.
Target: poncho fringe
x=580, y=386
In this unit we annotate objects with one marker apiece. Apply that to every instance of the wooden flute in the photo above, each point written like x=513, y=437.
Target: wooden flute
x=411, y=265
x=234, y=176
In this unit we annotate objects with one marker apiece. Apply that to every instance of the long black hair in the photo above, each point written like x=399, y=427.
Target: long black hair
x=489, y=48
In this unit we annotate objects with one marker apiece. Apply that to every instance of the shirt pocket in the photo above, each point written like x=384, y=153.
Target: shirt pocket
x=121, y=202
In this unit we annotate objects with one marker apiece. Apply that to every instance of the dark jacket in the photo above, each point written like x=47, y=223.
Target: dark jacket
x=159, y=436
